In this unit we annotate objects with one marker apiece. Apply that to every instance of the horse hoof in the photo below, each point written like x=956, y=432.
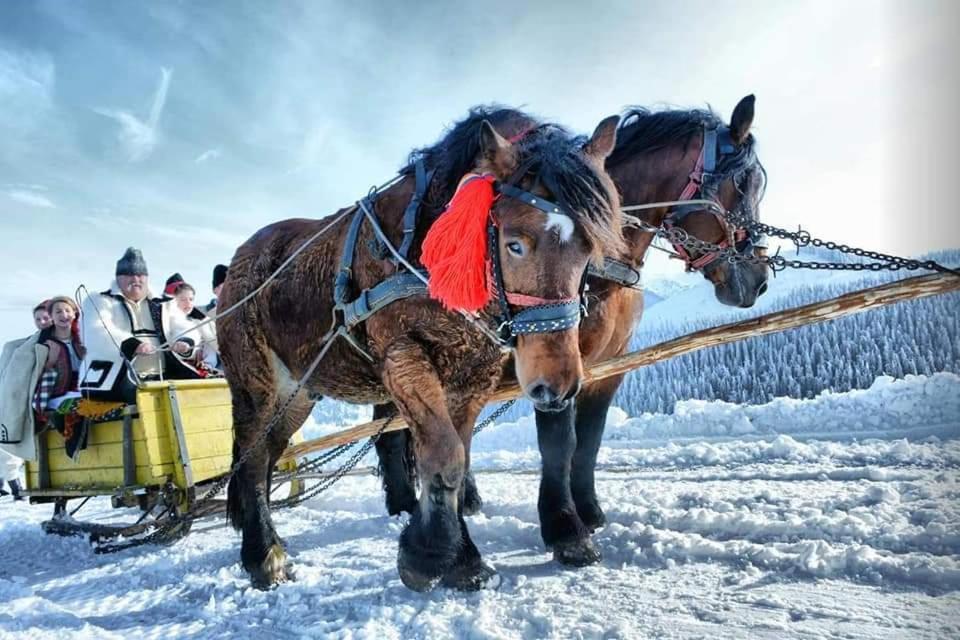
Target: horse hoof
x=413, y=579
x=576, y=553
x=273, y=570
x=472, y=577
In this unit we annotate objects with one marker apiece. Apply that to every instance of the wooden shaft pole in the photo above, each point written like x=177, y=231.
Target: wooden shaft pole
x=848, y=304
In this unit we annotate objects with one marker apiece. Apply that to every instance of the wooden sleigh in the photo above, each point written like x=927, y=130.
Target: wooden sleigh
x=160, y=457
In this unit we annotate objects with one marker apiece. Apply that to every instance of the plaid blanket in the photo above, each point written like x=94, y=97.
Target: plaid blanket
x=45, y=392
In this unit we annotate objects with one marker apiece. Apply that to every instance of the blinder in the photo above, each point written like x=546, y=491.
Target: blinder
x=719, y=160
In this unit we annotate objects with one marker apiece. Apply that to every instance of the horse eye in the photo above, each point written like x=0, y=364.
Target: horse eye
x=515, y=248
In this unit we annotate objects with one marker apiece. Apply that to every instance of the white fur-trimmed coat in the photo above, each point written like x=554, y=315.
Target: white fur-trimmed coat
x=21, y=365
x=107, y=333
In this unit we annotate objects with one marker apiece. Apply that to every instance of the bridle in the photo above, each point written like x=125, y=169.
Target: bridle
x=538, y=315
x=719, y=159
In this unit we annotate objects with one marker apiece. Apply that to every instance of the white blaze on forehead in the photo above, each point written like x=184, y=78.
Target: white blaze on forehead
x=562, y=223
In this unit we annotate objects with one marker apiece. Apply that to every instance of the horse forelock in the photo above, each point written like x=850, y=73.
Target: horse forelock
x=549, y=155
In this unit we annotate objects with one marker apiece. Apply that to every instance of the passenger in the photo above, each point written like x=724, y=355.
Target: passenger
x=22, y=365
x=41, y=320
x=205, y=334
x=171, y=285
x=123, y=327
x=41, y=317
x=219, y=277
x=65, y=352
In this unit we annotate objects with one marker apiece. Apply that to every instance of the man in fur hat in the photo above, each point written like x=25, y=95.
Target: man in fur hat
x=219, y=277
x=123, y=327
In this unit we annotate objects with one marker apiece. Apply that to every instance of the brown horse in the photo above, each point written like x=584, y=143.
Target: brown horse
x=658, y=157
x=556, y=213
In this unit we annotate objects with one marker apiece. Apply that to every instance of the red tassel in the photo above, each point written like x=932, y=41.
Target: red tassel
x=455, y=248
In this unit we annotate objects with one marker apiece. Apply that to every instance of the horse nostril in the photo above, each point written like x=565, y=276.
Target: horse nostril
x=541, y=393
x=762, y=289
x=574, y=390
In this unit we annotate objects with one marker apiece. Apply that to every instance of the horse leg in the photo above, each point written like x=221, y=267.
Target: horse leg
x=592, y=405
x=469, y=572
x=560, y=526
x=397, y=466
x=472, y=502
x=261, y=551
x=280, y=435
x=431, y=541
x=258, y=389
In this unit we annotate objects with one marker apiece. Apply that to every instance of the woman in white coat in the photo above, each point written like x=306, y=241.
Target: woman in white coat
x=205, y=334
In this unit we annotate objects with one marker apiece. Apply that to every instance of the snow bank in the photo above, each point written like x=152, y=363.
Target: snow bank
x=918, y=407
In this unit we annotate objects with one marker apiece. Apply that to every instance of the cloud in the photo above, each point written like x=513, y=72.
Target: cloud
x=31, y=198
x=209, y=154
x=139, y=138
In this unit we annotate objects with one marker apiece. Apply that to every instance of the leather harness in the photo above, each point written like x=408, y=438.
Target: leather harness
x=538, y=315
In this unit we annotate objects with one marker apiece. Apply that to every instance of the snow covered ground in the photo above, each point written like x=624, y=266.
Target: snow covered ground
x=833, y=517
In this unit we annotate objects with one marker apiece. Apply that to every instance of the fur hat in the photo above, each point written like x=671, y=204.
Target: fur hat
x=132, y=263
x=173, y=282
x=219, y=275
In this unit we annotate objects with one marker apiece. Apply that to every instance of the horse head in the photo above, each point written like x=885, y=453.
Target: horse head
x=722, y=179
x=516, y=240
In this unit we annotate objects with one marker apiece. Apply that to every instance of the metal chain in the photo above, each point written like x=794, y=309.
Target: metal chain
x=337, y=475
x=678, y=237
x=502, y=409
x=188, y=516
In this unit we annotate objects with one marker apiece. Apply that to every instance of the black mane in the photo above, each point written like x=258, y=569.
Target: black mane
x=643, y=131
x=455, y=154
x=546, y=151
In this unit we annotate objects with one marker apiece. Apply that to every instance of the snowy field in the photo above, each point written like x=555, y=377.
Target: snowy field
x=831, y=518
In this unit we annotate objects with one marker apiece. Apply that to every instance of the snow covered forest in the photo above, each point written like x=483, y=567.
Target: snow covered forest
x=917, y=337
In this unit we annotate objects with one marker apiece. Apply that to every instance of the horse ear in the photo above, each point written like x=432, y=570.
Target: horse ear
x=603, y=140
x=741, y=119
x=497, y=155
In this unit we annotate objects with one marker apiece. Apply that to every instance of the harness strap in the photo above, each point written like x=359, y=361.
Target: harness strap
x=545, y=318
x=523, y=300
x=527, y=198
x=617, y=272
x=706, y=165
x=341, y=284
x=396, y=287
x=709, y=150
x=423, y=178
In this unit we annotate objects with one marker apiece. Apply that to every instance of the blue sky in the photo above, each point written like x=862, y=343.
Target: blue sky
x=181, y=128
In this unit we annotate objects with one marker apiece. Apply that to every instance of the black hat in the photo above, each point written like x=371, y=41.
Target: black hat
x=219, y=275
x=173, y=282
x=132, y=263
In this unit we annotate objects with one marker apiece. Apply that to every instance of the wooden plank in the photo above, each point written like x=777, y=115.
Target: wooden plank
x=913, y=288
x=206, y=420
x=94, y=457
x=207, y=468
x=107, y=477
